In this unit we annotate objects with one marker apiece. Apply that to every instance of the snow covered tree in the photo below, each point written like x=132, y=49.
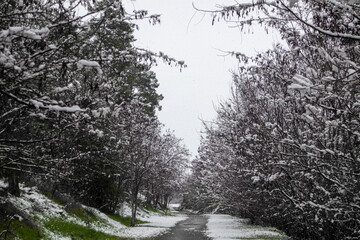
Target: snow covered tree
x=32, y=57
x=293, y=121
x=71, y=79
x=166, y=172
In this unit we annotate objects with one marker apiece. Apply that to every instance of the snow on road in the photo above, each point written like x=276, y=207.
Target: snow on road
x=157, y=225
x=164, y=221
x=226, y=227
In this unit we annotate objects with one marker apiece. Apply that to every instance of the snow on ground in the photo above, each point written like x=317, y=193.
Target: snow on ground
x=226, y=227
x=163, y=221
x=157, y=223
x=174, y=206
x=141, y=232
x=36, y=204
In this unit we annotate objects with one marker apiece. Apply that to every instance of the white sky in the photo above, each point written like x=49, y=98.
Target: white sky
x=188, y=35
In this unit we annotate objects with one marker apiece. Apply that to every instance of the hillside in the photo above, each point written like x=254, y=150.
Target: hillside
x=36, y=216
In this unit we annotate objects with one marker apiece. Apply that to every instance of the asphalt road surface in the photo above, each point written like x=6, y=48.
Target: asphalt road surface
x=192, y=228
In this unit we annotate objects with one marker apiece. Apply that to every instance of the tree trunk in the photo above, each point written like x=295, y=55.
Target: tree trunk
x=157, y=200
x=166, y=201
x=148, y=196
x=134, y=207
x=13, y=181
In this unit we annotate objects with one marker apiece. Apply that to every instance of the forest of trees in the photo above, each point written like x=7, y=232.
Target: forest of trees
x=78, y=105
x=284, y=150
x=79, y=102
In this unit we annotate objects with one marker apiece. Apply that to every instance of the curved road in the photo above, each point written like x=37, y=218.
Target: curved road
x=192, y=228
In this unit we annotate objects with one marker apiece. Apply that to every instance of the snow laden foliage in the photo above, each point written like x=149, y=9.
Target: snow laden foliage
x=284, y=150
x=78, y=101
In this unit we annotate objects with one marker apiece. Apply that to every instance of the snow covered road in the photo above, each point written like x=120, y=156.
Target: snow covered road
x=192, y=228
x=219, y=227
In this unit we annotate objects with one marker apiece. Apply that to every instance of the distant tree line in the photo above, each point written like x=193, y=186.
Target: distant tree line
x=284, y=150
x=78, y=104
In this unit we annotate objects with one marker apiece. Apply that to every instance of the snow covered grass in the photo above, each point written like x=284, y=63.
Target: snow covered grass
x=73, y=230
x=38, y=205
x=226, y=227
x=157, y=221
x=164, y=221
x=125, y=220
x=85, y=222
x=156, y=225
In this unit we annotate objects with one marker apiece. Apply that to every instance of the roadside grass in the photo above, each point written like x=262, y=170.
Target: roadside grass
x=85, y=215
x=76, y=231
x=21, y=230
x=55, y=225
x=167, y=212
x=151, y=209
x=61, y=227
x=125, y=220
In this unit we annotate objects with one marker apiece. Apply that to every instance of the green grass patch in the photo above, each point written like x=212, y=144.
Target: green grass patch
x=125, y=220
x=167, y=212
x=54, y=199
x=22, y=231
x=151, y=209
x=85, y=215
x=75, y=231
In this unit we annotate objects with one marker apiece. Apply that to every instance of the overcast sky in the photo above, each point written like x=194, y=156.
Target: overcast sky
x=185, y=34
